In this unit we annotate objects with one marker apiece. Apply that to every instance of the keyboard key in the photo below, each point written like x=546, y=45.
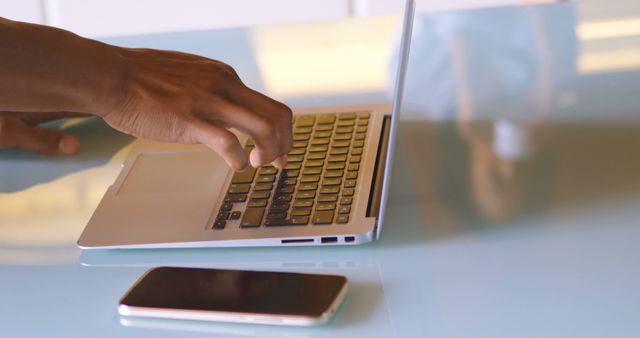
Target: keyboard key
x=296, y=158
x=335, y=166
x=257, y=204
x=300, y=144
x=298, y=220
x=342, y=137
x=297, y=151
x=223, y=215
x=347, y=116
x=360, y=136
x=235, y=198
x=235, y=215
x=266, y=178
x=353, y=167
x=310, y=178
x=324, y=127
x=316, y=156
x=355, y=159
x=323, y=217
x=239, y=188
x=260, y=195
x=252, y=217
x=328, y=198
x=363, y=116
x=305, y=121
x=317, y=149
x=301, y=137
x=363, y=123
x=226, y=206
x=327, y=119
x=325, y=206
x=290, y=173
x=277, y=214
x=346, y=201
x=301, y=220
x=306, y=195
x=283, y=198
x=345, y=123
x=352, y=175
x=313, y=163
x=348, y=192
x=344, y=130
x=303, y=204
x=345, y=209
x=308, y=186
x=340, y=144
x=263, y=187
x=357, y=144
x=287, y=189
x=330, y=190
x=322, y=134
x=268, y=170
x=361, y=129
x=312, y=171
x=331, y=181
x=302, y=130
x=244, y=177
x=333, y=173
x=288, y=181
x=301, y=212
x=337, y=158
x=356, y=151
x=342, y=219
x=281, y=206
x=349, y=183
x=219, y=224
x=293, y=165
x=319, y=141
x=339, y=151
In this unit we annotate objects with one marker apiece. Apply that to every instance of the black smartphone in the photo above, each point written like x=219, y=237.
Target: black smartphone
x=278, y=298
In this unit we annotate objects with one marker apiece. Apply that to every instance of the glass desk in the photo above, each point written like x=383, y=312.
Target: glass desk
x=515, y=189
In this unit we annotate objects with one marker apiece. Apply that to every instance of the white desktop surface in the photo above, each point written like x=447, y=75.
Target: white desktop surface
x=515, y=193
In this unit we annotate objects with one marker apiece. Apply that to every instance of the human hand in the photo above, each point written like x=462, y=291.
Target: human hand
x=177, y=97
x=20, y=130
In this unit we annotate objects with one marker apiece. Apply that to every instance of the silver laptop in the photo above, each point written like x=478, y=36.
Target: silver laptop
x=332, y=192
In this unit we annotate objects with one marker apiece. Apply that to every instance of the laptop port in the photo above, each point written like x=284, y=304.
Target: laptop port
x=301, y=240
x=349, y=239
x=329, y=240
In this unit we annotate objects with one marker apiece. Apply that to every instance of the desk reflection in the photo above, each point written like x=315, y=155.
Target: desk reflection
x=495, y=124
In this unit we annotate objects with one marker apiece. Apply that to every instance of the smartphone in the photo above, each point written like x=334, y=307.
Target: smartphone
x=277, y=298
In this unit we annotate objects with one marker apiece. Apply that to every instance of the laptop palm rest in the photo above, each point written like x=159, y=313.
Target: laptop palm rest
x=160, y=197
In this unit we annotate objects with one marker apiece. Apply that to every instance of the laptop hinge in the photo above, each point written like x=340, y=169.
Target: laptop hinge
x=375, y=195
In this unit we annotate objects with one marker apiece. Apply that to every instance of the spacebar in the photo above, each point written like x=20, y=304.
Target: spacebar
x=252, y=217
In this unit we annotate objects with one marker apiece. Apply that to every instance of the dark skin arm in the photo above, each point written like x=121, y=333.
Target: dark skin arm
x=47, y=73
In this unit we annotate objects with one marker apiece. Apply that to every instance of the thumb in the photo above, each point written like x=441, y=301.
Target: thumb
x=15, y=133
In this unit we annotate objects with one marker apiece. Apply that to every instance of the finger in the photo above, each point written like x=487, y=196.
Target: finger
x=44, y=141
x=280, y=162
x=222, y=141
x=272, y=109
x=258, y=127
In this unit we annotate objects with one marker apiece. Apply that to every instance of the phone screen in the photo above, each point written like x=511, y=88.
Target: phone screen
x=272, y=293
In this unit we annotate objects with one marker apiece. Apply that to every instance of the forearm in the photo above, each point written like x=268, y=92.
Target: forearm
x=44, y=69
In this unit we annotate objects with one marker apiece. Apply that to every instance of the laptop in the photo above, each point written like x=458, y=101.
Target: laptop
x=332, y=192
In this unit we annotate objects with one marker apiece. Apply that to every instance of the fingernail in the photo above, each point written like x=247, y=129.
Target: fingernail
x=67, y=145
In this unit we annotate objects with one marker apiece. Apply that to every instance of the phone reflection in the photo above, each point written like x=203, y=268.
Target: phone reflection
x=225, y=330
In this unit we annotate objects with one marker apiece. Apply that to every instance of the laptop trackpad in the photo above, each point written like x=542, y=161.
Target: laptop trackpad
x=173, y=172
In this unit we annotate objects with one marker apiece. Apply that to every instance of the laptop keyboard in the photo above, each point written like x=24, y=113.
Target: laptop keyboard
x=317, y=185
